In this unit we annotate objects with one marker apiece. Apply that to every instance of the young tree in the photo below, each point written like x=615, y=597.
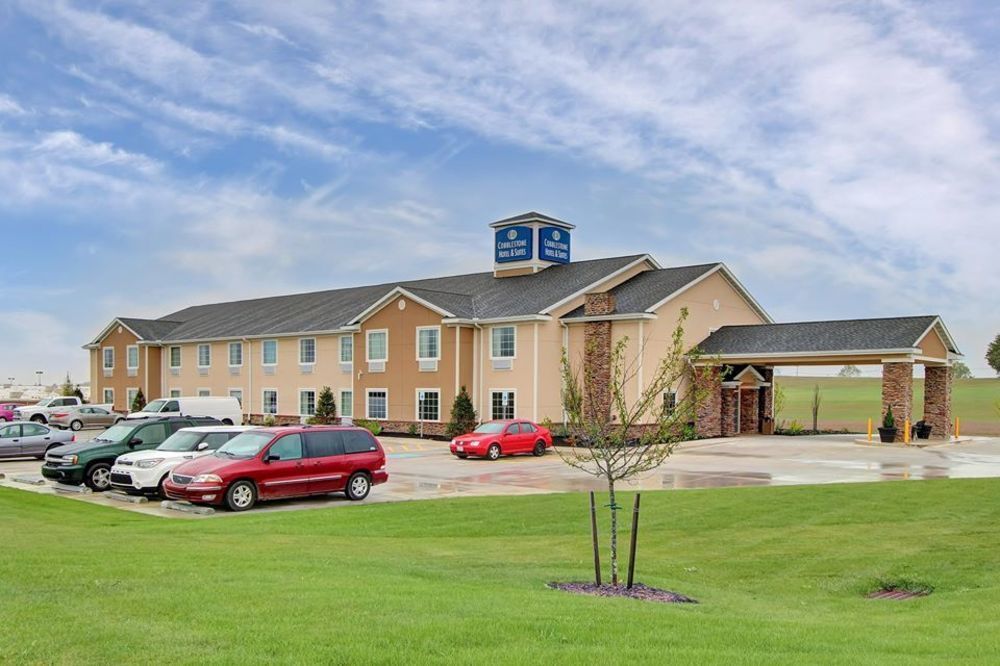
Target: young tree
x=779, y=404
x=139, y=401
x=67, y=387
x=326, y=408
x=817, y=399
x=993, y=354
x=620, y=438
x=849, y=371
x=463, y=415
x=960, y=370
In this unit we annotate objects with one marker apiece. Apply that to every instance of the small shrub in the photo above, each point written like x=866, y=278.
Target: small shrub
x=326, y=408
x=794, y=428
x=463, y=415
x=138, y=402
x=412, y=429
x=374, y=427
x=888, y=421
x=269, y=421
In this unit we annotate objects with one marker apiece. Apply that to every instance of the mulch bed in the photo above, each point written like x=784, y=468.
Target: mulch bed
x=638, y=591
x=896, y=594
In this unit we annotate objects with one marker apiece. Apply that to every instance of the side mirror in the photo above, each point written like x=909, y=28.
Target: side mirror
x=134, y=442
x=271, y=457
x=202, y=446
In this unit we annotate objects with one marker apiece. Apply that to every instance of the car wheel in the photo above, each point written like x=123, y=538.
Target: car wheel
x=3, y=419
x=241, y=496
x=38, y=418
x=76, y=425
x=118, y=420
x=98, y=477
x=358, y=487
x=493, y=452
x=539, y=449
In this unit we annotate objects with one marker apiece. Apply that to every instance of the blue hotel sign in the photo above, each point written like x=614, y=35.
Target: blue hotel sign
x=553, y=245
x=514, y=244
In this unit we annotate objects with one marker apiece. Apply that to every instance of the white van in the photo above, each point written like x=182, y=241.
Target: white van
x=225, y=409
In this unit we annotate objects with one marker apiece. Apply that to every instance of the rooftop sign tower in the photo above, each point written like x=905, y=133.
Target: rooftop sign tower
x=528, y=243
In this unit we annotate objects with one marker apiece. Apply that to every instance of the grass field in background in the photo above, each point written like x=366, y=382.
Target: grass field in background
x=849, y=402
x=780, y=574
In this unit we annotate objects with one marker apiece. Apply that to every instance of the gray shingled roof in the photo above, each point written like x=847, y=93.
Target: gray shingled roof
x=478, y=295
x=820, y=336
x=150, y=329
x=650, y=287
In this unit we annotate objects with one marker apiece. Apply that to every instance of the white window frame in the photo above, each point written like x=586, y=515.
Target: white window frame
x=493, y=391
x=340, y=351
x=104, y=358
x=348, y=402
x=669, y=392
x=171, y=392
x=503, y=358
x=315, y=352
x=130, y=395
x=368, y=395
x=429, y=328
x=170, y=356
x=263, y=401
x=128, y=359
x=368, y=346
x=208, y=391
x=315, y=400
x=230, y=358
x=209, y=347
x=236, y=389
x=416, y=404
x=104, y=394
x=263, y=345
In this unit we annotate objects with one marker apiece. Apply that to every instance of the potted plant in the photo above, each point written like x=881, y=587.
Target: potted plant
x=887, y=433
x=923, y=430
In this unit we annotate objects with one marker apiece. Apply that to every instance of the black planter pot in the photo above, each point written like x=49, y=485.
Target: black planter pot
x=924, y=432
x=887, y=435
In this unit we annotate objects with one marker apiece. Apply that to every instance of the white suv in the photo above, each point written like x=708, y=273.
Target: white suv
x=143, y=472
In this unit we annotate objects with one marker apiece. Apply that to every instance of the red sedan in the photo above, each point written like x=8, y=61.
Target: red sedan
x=503, y=438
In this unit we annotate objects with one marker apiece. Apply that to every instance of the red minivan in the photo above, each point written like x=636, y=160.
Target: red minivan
x=273, y=463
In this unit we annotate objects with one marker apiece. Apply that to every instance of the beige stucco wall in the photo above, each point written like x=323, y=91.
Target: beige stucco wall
x=119, y=338
x=932, y=345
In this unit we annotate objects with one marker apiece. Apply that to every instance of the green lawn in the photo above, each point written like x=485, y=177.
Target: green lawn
x=779, y=572
x=849, y=402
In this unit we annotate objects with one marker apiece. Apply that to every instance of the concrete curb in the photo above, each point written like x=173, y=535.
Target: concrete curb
x=66, y=488
x=185, y=507
x=125, y=497
x=29, y=479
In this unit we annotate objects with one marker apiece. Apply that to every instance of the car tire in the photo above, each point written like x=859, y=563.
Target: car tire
x=463, y=456
x=3, y=419
x=539, y=449
x=241, y=496
x=98, y=477
x=493, y=453
x=358, y=487
x=118, y=420
x=76, y=426
x=227, y=422
x=38, y=418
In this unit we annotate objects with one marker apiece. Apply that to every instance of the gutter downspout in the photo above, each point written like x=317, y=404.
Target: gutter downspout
x=246, y=405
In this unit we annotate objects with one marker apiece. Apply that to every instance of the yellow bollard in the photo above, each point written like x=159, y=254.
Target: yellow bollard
x=869, y=428
x=958, y=427
x=906, y=431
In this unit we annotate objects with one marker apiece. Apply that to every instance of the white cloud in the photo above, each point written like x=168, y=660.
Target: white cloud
x=72, y=147
x=10, y=107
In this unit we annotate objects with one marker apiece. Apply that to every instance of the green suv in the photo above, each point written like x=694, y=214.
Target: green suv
x=90, y=462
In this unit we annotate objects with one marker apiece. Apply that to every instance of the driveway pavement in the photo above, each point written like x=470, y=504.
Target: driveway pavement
x=425, y=470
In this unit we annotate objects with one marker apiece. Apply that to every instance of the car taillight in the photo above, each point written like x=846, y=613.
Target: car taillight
x=73, y=439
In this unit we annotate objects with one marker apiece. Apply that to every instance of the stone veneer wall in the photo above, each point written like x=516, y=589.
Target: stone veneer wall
x=897, y=391
x=597, y=356
x=767, y=394
x=937, y=400
x=730, y=406
x=708, y=417
x=748, y=410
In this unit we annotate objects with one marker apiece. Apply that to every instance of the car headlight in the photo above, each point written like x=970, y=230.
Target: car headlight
x=72, y=460
x=146, y=464
x=207, y=478
x=474, y=442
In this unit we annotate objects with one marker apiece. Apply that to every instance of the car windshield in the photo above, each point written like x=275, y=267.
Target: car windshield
x=116, y=433
x=490, y=428
x=45, y=403
x=154, y=406
x=245, y=445
x=181, y=441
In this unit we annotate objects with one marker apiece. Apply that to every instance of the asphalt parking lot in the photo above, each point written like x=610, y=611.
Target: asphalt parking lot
x=422, y=469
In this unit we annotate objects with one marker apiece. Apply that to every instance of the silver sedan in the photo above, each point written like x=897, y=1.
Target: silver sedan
x=25, y=438
x=85, y=416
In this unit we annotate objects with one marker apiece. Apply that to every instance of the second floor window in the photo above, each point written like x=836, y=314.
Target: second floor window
x=132, y=360
x=204, y=356
x=378, y=345
x=428, y=344
x=175, y=357
x=109, y=358
x=269, y=352
x=235, y=353
x=502, y=342
x=346, y=349
x=307, y=350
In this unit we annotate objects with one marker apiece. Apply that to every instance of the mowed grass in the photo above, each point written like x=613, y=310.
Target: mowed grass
x=850, y=402
x=779, y=572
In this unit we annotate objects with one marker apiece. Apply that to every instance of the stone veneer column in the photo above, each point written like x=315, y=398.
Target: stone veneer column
x=897, y=391
x=748, y=410
x=937, y=400
x=597, y=356
x=767, y=394
x=708, y=417
x=730, y=411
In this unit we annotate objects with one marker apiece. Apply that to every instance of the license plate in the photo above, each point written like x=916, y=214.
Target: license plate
x=460, y=448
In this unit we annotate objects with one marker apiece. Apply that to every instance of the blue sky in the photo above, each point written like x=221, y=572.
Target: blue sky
x=842, y=158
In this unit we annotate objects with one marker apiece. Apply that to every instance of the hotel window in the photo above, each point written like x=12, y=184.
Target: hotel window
x=378, y=345
x=236, y=393
x=270, y=401
x=269, y=352
x=109, y=396
x=428, y=405
x=501, y=404
x=307, y=402
x=235, y=354
x=204, y=356
x=109, y=358
x=130, y=395
x=307, y=351
x=175, y=357
x=378, y=404
x=347, y=403
x=669, y=402
x=429, y=344
x=346, y=349
x=175, y=393
x=132, y=357
x=204, y=393
x=502, y=342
